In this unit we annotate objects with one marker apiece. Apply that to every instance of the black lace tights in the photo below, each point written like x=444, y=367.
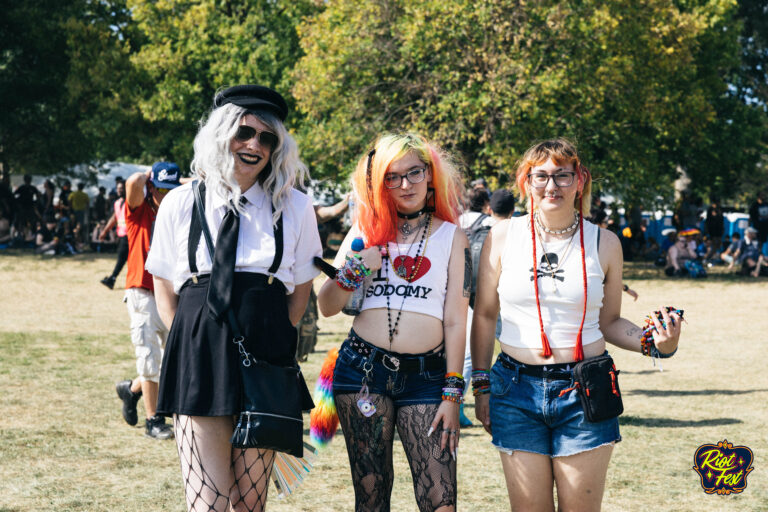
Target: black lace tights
x=369, y=446
x=216, y=475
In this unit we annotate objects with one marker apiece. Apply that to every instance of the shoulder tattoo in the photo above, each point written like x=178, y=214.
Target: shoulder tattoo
x=467, y=272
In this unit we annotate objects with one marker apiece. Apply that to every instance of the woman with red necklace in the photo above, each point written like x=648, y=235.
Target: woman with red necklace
x=556, y=279
x=400, y=366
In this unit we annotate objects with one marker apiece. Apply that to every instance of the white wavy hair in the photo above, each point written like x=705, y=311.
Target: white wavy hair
x=215, y=164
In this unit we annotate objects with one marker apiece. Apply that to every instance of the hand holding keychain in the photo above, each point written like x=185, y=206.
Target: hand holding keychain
x=661, y=324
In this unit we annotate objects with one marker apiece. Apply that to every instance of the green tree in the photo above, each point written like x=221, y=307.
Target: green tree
x=38, y=133
x=189, y=50
x=102, y=82
x=636, y=84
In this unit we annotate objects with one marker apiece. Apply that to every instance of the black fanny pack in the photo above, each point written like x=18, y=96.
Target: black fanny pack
x=597, y=381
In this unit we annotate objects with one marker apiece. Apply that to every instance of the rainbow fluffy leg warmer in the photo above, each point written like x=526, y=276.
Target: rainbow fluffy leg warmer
x=323, y=421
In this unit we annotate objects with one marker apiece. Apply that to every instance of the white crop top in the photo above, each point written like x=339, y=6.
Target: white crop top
x=561, y=288
x=426, y=293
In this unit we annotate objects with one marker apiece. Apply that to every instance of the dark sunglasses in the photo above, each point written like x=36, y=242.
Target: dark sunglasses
x=246, y=133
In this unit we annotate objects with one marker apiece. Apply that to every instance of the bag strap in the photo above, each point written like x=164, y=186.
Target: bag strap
x=198, y=226
x=198, y=213
x=477, y=223
x=195, y=228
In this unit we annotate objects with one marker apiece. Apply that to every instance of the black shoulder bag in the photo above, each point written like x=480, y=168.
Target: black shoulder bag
x=597, y=380
x=273, y=396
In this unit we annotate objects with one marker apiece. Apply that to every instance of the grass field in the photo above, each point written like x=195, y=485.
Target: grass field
x=64, y=342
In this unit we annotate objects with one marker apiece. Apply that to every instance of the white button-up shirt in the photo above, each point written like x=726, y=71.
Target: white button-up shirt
x=256, y=241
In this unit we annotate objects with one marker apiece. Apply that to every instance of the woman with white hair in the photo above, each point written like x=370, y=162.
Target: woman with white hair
x=265, y=239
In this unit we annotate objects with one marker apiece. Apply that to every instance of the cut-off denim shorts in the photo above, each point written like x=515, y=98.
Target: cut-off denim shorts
x=419, y=386
x=528, y=414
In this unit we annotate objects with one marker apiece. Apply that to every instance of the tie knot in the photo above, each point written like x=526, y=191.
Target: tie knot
x=243, y=201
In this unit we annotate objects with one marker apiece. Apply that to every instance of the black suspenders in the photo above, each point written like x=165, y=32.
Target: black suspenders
x=196, y=230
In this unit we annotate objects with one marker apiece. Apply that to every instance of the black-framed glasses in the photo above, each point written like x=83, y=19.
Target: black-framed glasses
x=245, y=133
x=561, y=179
x=414, y=176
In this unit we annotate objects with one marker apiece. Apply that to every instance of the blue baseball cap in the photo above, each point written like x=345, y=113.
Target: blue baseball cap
x=165, y=175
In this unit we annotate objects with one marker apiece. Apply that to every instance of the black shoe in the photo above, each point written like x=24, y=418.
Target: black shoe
x=109, y=282
x=129, y=399
x=157, y=429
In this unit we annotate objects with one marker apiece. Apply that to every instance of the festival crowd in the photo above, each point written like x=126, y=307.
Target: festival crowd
x=58, y=220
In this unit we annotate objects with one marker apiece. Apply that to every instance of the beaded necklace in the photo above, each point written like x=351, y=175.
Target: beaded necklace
x=408, y=278
x=556, y=231
x=560, y=261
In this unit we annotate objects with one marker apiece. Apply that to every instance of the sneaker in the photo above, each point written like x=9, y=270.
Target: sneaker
x=157, y=429
x=463, y=420
x=109, y=282
x=129, y=399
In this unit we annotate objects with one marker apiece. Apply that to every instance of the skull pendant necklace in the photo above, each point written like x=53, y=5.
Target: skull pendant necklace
x=554, y=268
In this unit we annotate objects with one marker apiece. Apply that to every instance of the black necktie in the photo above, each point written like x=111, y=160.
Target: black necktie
x=223, y=271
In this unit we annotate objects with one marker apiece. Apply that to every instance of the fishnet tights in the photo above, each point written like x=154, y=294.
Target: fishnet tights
x=369, y=447
x=242, y=474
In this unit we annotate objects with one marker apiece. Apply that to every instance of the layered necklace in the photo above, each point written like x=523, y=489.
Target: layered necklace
x=403, y=273
x=407, y=230
x=553, y=270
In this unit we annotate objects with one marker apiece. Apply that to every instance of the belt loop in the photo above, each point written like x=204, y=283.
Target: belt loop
x=422, y=365
x=516, y=374
x=374, y=351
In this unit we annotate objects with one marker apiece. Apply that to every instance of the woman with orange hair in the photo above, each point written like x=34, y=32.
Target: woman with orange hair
x=557, y=281
x=400, y=366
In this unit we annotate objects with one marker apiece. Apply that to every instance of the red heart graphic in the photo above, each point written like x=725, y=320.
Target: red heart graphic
x=409, y=263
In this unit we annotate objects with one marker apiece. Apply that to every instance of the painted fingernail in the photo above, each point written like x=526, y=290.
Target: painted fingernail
x=454, y=454
x=429, y=432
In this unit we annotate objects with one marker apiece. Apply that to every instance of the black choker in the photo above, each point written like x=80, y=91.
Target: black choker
x=411, y=216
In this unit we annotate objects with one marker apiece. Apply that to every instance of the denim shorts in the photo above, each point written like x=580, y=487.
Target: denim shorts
x=422, y=386
x=527, y=414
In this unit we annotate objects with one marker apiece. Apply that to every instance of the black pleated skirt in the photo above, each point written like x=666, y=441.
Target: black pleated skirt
x=200, y=375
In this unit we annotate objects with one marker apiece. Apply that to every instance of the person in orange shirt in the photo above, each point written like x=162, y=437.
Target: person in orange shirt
x=144, y=191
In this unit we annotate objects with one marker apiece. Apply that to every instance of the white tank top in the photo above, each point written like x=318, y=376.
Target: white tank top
x=561, y=288
x=426, y=292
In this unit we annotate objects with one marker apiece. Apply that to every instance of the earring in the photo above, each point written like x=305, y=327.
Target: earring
x=430, y=207
x=368, y=179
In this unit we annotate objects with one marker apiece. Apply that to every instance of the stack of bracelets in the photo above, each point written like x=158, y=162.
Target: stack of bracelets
x=481, y=382
x=351, y=276
x=453, y=389
x=647, y=346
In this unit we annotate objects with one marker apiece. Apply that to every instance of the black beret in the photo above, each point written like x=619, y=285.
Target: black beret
x=253, y=97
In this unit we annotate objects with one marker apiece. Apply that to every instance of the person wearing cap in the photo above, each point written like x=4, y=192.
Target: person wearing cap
x=144, y=191
x=265, y=237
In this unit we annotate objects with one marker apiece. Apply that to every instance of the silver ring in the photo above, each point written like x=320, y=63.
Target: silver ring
x=447, y=430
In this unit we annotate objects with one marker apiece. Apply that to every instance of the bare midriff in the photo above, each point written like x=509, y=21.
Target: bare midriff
x=559, y=355
x=416, y=333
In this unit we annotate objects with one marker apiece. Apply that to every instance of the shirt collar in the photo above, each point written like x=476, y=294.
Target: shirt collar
x=255, y=195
